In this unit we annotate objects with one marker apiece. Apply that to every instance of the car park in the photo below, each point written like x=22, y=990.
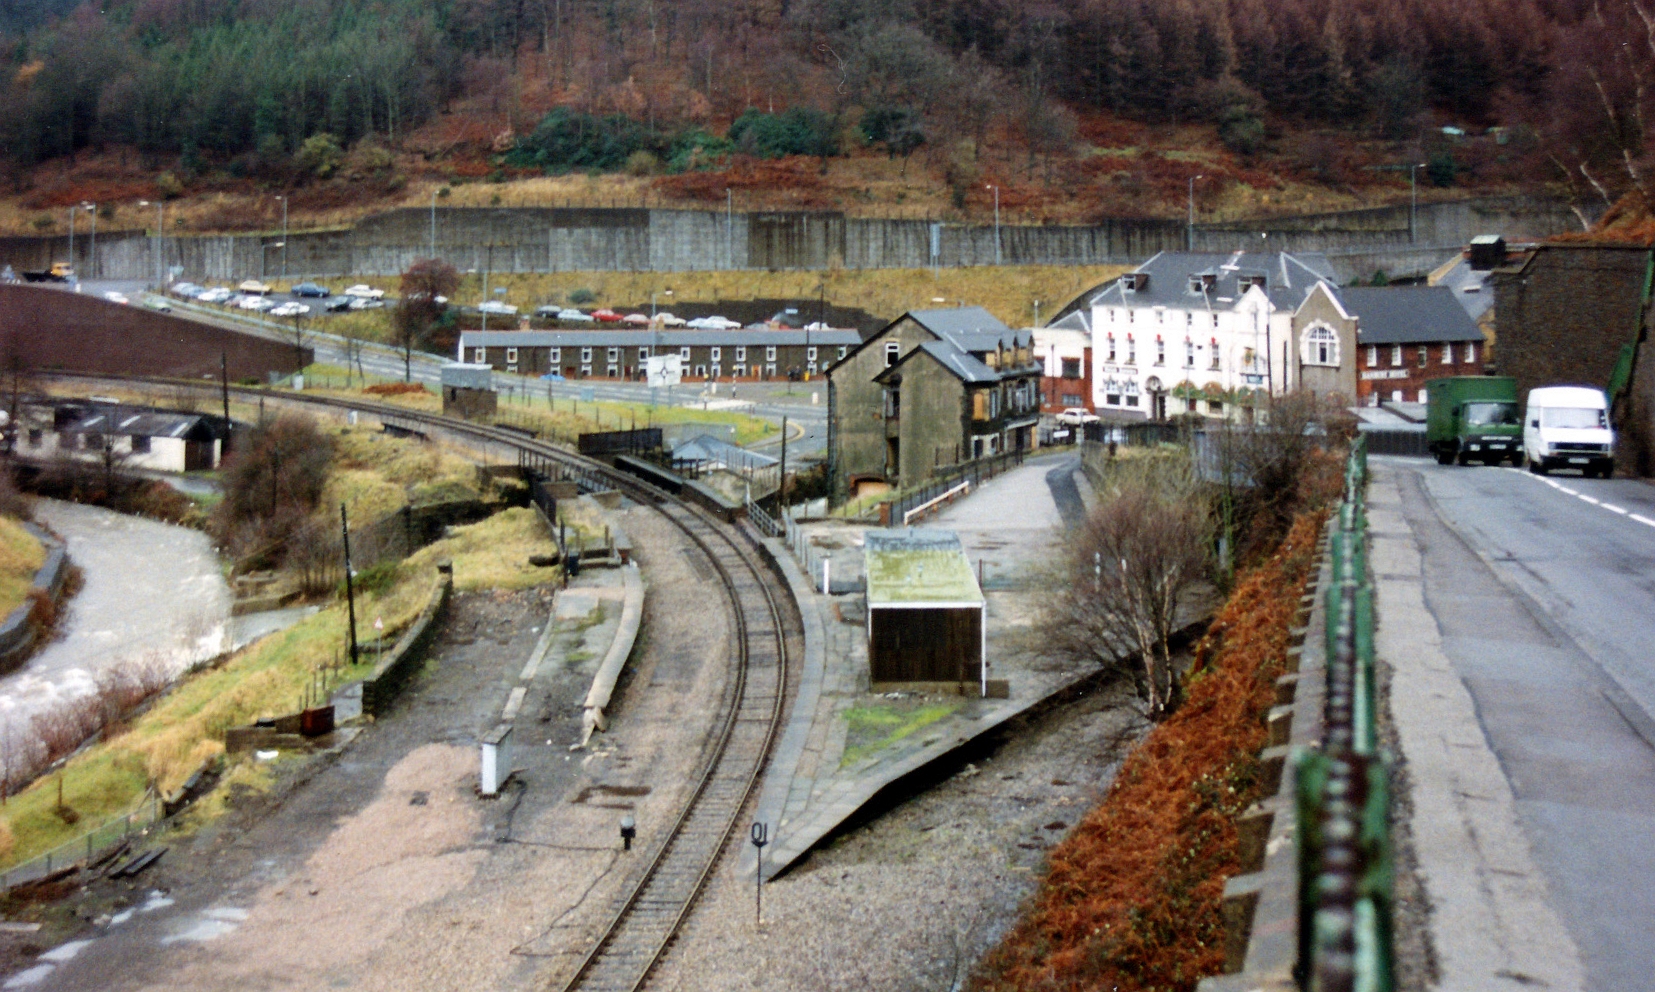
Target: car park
x=364, y=291
x=310, y=289
x=574, y=315
x=1075, y=416
x=217, y=294
x=254, y=286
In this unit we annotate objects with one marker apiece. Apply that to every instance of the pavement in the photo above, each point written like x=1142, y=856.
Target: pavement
x=1011, y=526
x=1516, y=612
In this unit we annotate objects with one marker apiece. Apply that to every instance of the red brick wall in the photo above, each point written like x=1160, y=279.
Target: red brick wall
x=1410, y=377
x=1059, y=394
x=54, y=329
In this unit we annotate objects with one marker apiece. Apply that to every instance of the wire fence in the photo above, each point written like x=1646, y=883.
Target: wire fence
x=976, y=472
x=83, y=849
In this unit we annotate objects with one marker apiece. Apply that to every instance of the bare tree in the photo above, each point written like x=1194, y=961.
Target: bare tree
x=425, y=288
x=1135, y=562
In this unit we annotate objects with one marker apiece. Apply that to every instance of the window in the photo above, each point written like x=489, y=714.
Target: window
x=1071, y=368
x=554, y=355
x=979, y=405
x=810, y=353
x=1215, y=406
x=770, y=353
x=511, y=355
x=740, y=371
x=140, y=444
x=643, y=355
x=612, y=372
x=1396, y=357
x=810, y=367
x=716, y=370
x=842, y=350
x=893, y=403
x=1424, y=355
x=1215, y=320
x=1448, y=354
x=1373, y=356
x=614, y=355
x=585, y=355
x=585, y=371
x=701, y=371
x=1160, y=351
x=1073, y=399
x=1215, y=353
x=1111, y=348
x=741, y=353
x=715, y=353
x=684, y=354
x=770, y=370
x=1471, y=351
x=479, y=356
x=1189, y=354
x=511, y=368
x=1321, y=346
x=1131, y=351
x=36, y=436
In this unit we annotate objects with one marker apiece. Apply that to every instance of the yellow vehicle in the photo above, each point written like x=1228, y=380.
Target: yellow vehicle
x=59, y=272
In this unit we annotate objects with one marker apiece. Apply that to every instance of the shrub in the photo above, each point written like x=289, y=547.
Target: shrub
x=581, y=297
x=642, y=163
x=272, y=482
x=565, y=140
x=694, y=150
x=320, y=155
x=396, y=389
x=796, y=131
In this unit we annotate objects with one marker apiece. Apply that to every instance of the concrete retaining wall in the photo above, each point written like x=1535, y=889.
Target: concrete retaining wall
x=18, y=632
x=398, y=667
x=548, y=239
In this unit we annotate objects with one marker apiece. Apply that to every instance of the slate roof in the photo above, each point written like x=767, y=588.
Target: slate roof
x=646, y=338
x=1472, y=290
x=961, y=364
x=1409, y=315
x=1289, y=278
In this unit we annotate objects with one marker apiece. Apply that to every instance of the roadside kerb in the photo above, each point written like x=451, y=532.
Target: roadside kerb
x=620, y=649
x=17, y=631
x=393, y=672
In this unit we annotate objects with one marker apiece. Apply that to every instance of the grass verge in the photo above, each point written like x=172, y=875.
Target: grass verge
x=20, y=557
x=870, y=729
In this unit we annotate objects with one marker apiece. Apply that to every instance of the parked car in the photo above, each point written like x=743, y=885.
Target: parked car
x=310, y=289
x=1075, y=416
x=667, y=319
x=495, y=306
x=365, y=291
x=364, y=303
x=254, y=286
x=157, y=303
x=258, y=304
x=1568, y=427
x=218, y=294
x=290, y=310
x=717, y=323
x=606, y=316
x=554, y=377
x=636, y=319
x=572, y=314
x=115, y=297
x=338, y=304
x=188, y=290
x=547, y=311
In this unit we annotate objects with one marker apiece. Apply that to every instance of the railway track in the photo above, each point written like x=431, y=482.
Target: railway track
x=641, y=928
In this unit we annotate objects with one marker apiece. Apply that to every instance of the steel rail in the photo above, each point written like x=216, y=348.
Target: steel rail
x=640, y=931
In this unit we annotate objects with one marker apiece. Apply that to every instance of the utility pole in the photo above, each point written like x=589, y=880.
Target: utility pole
x=729, y=229
x=350, y=588
x=781, y=496
x=224, y=387
x=284, y=236
x=1189, y=237
x=434, y=221
x=92, y=263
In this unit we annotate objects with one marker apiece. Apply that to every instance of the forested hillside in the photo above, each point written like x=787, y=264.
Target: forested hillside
x=280, y=88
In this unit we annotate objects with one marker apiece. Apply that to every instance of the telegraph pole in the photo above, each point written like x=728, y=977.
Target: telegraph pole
x=350, y=588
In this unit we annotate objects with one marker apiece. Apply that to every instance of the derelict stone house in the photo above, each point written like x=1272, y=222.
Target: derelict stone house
x=930, y=390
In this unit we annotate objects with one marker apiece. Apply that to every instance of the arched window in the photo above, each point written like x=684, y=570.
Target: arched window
x=1321, y=346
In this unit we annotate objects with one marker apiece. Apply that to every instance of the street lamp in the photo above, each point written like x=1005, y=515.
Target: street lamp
x=1413, y=200
x=1189, y=238
x=74, y=277
x=284, y=236
x=996, y=190
x=434, y=221
x=92, y=263
x=654, y=328
x=729, y=229
x=160, y=234
x=264, y=254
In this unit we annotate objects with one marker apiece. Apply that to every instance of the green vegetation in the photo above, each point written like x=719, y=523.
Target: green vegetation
x=871, y=728
x=20, y=557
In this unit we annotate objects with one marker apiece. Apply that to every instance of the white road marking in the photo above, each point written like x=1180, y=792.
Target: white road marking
x=1588, y=499
x=1566, y=489
x=1612, y=508
x=1642, y=519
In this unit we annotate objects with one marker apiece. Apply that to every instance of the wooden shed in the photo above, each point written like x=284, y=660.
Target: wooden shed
x=925, y=610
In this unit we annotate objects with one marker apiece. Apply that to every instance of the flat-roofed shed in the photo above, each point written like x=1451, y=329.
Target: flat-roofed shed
x=925, y=610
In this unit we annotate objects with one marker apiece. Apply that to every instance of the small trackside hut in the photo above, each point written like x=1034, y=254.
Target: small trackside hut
x=925, y=613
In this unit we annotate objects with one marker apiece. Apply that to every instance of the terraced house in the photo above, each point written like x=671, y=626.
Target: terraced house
x=929, y=391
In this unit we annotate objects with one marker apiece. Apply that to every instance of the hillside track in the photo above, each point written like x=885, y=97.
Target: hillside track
x=641, y=927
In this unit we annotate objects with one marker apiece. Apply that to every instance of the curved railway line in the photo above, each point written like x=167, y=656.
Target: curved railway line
x=642, y=926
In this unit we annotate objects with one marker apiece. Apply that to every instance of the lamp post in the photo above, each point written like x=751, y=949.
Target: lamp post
x=996, y=190
x=92, y=263
x=160, y=234
x=729, y=229
x=264, y=255
x=1413, y=200
x=654, y=330
x=284, y=236
x=1189, y=236
x=434, y=221
x=74, y=277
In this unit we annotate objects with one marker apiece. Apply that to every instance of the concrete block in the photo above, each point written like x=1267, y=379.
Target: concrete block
x=1241, y=895
x=1252, y=831
x=1286, y=688
x=1279, y=722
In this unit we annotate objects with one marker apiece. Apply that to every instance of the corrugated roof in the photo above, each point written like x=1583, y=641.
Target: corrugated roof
x=914, y=567
x=646, y=338
x=1409, y=315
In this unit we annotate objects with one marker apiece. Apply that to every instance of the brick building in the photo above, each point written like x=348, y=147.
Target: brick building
x=1065, y=357
x=1407, y=336
x=706, y=355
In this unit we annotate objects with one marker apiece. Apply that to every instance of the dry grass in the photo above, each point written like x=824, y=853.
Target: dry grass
x=494, y=553
x=20, y=557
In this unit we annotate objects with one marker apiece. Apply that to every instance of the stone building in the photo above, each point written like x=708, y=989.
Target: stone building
x=1408, y=336
x=1065, y=356
x=929, y=391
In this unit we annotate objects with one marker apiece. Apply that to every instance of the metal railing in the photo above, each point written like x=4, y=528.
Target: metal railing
x=82, y=849
x=975, y=472
x=1342, y=798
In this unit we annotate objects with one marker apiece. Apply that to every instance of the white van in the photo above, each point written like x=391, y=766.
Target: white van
x=1568, y=427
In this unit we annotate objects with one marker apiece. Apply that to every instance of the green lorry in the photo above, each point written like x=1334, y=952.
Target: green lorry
x=1474, y=418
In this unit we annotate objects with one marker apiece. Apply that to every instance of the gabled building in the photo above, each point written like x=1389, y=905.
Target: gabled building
x=135, y=437
x=930, y=390
x=1210, y=333
x=1410, y=335
x=1065, y=356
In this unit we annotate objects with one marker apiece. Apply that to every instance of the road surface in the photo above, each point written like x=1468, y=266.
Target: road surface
x=1545, y=598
